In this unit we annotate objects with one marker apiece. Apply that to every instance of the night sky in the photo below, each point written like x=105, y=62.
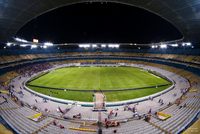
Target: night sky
x=99, y=23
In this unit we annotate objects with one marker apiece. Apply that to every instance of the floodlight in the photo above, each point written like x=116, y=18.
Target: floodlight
x=21, y=40
x=186, y=44
x=174, y=45
x=84, y=45
x=113, y=45
x=45, y=47
x=48, y=44
x=94, y=45
x=103, y=45
x=23, y=45
x=163, y=46
x=35, y=40
x=8, y=44
x=33, y=46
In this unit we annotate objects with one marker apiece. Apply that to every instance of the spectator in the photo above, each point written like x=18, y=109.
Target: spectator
x=185, y=105
x=174, y=94
x=116, y=114
x=169, y=104
x=149, y=111
x=61, y=126
x=106, y=119
x=5, y=99
x=54, y=123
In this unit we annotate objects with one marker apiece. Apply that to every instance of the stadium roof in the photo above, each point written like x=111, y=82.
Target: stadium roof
x=183, y=14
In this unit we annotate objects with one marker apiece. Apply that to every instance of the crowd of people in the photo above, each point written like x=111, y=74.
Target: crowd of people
x=32, y=69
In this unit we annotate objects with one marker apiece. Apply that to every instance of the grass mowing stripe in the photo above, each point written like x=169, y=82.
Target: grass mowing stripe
x=98, y=78
x=106, y=78
x=110, y=96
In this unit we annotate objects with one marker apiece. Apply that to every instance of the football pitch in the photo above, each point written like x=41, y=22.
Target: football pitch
x=117, y=81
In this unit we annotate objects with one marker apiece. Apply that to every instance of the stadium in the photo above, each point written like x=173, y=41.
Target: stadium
x=99, y=67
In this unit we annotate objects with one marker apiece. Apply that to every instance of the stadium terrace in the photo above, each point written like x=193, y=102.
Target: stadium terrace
x=108, y=73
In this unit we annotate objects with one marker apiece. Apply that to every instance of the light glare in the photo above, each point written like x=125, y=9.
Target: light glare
x=84, y=45
x=103, y=45
x=174, y=45
x=33, y=46
x=163, y=46
x=23, y=45
x=113, y=45
x=8, y=44
x=48, y=44
x=94, y=45
x=21, y=40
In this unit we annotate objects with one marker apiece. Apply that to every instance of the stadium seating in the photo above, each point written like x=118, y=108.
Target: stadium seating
x=16, y=115
x=184, y=58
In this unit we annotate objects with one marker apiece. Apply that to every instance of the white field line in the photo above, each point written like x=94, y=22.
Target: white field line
x=155, y=75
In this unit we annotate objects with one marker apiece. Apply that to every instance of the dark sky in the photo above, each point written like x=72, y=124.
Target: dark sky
x=99, y=23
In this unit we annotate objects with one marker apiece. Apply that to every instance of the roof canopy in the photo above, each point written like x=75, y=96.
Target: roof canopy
x=183, y=14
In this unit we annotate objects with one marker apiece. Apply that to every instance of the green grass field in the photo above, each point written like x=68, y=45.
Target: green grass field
x=96, y=78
